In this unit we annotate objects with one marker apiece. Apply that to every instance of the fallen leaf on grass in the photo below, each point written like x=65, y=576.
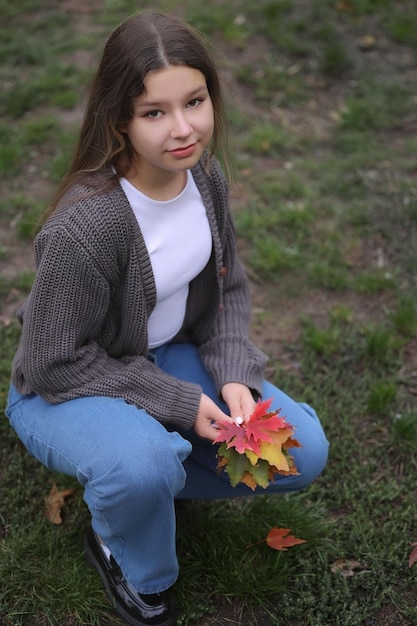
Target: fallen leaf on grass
x=412, y=559
x=347, y=567
x=279, y=539
x=54, y=503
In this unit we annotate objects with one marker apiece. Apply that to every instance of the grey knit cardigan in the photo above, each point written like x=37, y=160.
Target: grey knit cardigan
x=84, y=324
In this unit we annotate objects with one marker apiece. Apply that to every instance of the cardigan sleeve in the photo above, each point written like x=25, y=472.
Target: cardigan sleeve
x=60, y=357
x=227, y=351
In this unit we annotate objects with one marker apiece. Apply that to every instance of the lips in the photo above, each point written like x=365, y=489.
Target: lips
x=183, y=152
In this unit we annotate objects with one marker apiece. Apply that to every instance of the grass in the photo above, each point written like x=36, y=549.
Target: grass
x=325, y=209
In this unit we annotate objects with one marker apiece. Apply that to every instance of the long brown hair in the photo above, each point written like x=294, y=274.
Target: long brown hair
x=141, y=44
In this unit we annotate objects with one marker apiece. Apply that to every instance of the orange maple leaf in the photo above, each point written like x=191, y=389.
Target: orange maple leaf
x=248, y=479
x=54, y=503
x=279, y=539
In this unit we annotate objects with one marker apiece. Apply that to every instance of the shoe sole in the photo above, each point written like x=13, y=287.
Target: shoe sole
x=94, y=564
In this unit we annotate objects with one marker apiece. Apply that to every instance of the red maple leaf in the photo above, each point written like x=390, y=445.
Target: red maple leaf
x=257, y=428
x=261, y=409
x=234, y=435
x=261, y=421
x=263, y=440
x=279, y=539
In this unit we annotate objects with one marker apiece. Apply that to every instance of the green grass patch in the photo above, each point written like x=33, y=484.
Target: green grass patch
x=12, y=290
x=56, y=85
x=371, y=108
x=267, y=139
x=402, y=27
x=272, y=83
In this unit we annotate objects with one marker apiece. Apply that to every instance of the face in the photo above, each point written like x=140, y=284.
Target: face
x=172, y=122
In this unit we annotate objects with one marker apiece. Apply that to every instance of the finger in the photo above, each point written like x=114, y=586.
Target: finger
x=223, y=418
x=235, y=407
x=248, y=408
x=219, y=416
x=210, y=432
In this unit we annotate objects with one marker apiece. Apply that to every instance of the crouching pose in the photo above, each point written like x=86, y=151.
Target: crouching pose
x=135, y=334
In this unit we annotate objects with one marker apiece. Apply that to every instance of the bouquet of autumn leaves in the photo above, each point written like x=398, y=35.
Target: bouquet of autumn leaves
x=254, y=451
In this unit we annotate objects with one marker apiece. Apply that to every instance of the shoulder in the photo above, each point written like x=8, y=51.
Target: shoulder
x=99, y=224
x=88, y=207
x=89, y=212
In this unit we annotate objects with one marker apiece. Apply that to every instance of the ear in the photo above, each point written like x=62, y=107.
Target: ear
x=122, y=128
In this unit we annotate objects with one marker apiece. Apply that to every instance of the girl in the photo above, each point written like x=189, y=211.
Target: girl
x=135, y=334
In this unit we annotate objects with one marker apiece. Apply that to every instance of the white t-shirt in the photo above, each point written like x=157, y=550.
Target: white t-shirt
x=178, y=238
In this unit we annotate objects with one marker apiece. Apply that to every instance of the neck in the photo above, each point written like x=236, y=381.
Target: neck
x=157, y=186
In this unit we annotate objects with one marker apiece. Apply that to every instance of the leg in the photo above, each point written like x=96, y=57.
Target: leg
x=182, y=360
x=131, y=468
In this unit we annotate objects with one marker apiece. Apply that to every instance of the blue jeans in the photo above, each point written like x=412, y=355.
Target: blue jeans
x=132, y=468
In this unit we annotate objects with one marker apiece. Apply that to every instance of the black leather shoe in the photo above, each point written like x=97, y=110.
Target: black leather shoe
x=137, y=609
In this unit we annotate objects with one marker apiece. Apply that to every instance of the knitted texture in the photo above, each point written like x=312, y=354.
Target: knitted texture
x=84, y=325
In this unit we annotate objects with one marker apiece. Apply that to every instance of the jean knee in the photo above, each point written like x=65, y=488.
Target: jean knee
x=143, y=470
x=311, y=457
x=312, y=466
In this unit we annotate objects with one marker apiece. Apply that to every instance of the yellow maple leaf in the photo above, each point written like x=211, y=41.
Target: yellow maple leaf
x=253, y=458
x=272, y=451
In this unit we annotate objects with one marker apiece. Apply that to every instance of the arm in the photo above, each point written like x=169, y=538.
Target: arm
x=227, y=350
x=63, y=352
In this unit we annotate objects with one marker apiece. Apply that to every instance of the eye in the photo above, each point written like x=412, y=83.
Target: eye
x=195, y=102
x=153, y=115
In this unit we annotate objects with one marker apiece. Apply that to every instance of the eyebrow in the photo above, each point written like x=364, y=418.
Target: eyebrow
x=148, y=104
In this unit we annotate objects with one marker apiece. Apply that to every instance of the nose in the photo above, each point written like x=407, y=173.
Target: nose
x=181, y=127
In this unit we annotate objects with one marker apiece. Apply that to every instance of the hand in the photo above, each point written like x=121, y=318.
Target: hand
x=207, y=416
x=239, y=399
